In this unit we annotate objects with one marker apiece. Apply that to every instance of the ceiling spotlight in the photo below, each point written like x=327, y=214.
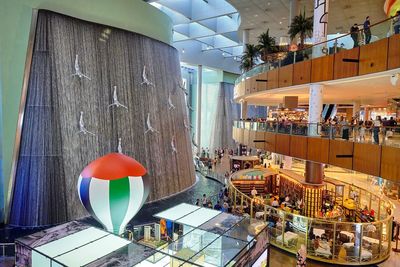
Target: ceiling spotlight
x=223, y=54
x=183, y=50
x=280, y=22
x=394, y=79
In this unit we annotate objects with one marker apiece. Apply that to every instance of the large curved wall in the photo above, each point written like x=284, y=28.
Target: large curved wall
x=52, y=152
x=15, y=22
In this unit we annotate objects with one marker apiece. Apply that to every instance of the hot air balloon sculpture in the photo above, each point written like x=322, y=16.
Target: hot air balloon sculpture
x=112, y=189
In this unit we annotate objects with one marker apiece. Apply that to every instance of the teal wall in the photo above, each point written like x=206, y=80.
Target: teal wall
x=15, y=21
x=229, y=77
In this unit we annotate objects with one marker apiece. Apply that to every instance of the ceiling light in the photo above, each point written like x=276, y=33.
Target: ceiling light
x=269, y=3
x=280, y=22
x=255, y=15
x=223, y=54
x=183, y=50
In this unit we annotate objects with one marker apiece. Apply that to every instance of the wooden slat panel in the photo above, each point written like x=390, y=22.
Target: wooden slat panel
x=373, y=57
x=367, y=158
x=240, y=135
x=286, y=76
x=322, y=68
x=273, y=79
x=262, y=85
x=341, y=148
x=253, y=88
x=247, y=86
x=252, y=136
x=298, y=146
x=318, y=149
x=259, y=136
x=302, y=72
x=283, y=144
x=346, y=69
x=390, y=167
x=246, y=136
x=394, y=52
x=270, y=142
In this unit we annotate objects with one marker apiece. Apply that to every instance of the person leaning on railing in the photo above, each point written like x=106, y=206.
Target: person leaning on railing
x=396, y=22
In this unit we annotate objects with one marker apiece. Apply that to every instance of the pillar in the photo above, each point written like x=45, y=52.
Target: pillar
x=315, y=108
x=314, y=172
x=366, y=113
x=243, y=110
x=320, y=26
x=246, y=37
x=199, y=91
x=356, y=109
x=293, y=10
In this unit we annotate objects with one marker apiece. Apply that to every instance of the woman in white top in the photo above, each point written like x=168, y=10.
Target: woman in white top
x=254, y=192
x=377, y=125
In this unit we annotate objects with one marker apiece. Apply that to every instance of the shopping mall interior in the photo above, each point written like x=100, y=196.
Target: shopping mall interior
x=259, y=133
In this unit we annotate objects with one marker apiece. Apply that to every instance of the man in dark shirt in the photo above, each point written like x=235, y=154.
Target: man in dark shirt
x=354, y=34
x=367, y=30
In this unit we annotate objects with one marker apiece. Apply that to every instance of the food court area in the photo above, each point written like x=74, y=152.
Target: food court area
x=338, y=222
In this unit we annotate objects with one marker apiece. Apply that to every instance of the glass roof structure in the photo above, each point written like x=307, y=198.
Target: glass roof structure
x=210, y=238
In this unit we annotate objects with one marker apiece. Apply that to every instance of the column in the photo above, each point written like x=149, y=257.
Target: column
x=320, y=26
x=293, y=10
x=243, y=109
x=314, y=172
x=356, y=109
x=246, y=37
x=199, y=85
x=315, y=108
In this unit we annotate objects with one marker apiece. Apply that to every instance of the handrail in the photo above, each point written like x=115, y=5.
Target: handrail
x=334, y=40
x=383, y=228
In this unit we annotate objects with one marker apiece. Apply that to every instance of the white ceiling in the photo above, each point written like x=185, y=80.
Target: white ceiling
x=259, y=15
x=374, y=89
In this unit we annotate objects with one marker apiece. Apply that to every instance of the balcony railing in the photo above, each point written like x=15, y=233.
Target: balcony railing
x=386, y=134
x=380, y=30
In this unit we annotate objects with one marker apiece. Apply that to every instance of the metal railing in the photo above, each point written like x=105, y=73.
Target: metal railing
x=347, y=243
x=383, y=135
x=7, y=249
x=378, y=31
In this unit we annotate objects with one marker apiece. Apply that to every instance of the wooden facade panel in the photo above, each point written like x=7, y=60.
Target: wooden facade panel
x=283, y=144
x=318, y=149
x=270, y=142
x=252, y=136
x=286, y=76
x=367, y=158
x=298, y=146
x=341, y=153
x=247, y=86
x=302, y=72
x=390, y=167
x=246, y=135
x=373, y=57
x=240, y=134
x=394, y=52
x=344, y=69
x=273, y=79
x=259, y=140
x=261, y=84
x=253, y=84
x=322, y=68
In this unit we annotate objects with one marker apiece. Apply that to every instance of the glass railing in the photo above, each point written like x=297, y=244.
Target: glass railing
x=327, y=240
x=378, y=31
x=385, y=135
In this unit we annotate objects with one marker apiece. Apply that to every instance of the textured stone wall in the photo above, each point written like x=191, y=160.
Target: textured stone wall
x=52, y=152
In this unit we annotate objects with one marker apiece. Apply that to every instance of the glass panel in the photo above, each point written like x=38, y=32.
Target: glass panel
x=320, y=241
x=348, y=243
x=371, y=239
x=275, y=222
x=221, y=223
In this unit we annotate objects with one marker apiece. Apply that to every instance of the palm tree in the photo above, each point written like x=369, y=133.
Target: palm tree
x=266, y=45
x=249, y=56
x=302, y=26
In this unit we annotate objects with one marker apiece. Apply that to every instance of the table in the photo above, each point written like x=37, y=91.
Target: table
x=318, y=232
x=348, y=234
x=290, y=238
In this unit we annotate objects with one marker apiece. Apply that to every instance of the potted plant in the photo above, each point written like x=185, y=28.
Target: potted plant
x=302, y=26
x=249, y=57
x=266, y=46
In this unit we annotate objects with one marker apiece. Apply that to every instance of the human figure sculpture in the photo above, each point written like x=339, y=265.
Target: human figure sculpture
x=173, y=145
x=120, y=145
x=115, y=100
x=182, y=85
x=145, y=81
x=170, y=104
x=193, y=142
x=82, y=128
x=149, y=127
x=188, y=127
x=78, y=71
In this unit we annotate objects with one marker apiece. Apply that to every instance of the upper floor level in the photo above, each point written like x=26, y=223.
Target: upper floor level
x=329, y=62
